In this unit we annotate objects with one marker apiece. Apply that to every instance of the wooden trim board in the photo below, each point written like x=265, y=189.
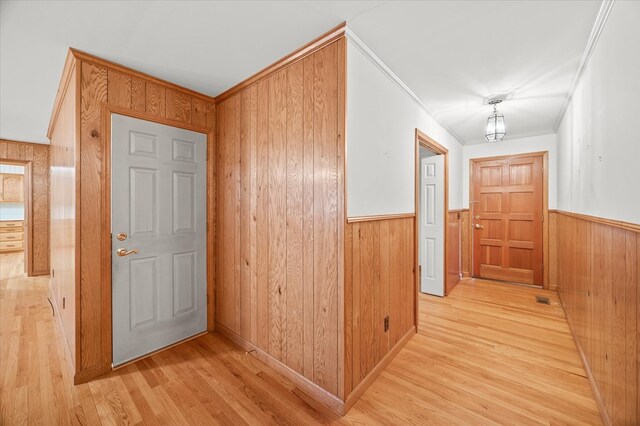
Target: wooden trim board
x=377, y=370
x=356, y=219
x=635, y=227
x=328, y=400
x=309, y=48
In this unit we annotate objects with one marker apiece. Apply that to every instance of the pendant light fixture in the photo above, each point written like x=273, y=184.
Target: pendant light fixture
x=495, y=124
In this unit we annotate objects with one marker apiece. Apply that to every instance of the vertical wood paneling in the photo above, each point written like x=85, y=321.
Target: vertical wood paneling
x=101, y=84
x=138, y=94
x=236, y=187
x=294, y=208
x=94, y=85
x=198, y=111
x=325, y=210
x=155, y=99
x=248, y=137
x=119, y=89
x=465, y=240
x=597, y=279
x=277, y=213
x=63, y=153
x=308, y=110
x=177, y=106
x=262, y=225
x=453, y=251
x=288, y=191
x=380, y=282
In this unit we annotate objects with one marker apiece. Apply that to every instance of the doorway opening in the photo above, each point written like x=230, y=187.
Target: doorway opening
x=431, y=198
x=15, y=213
x=509, y=218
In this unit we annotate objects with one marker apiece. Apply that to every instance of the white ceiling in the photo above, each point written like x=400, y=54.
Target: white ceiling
x=451, y=54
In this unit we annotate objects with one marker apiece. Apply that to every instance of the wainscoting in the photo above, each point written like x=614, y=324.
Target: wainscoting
x=379, y=283
x=280, y=217
x=598, y=270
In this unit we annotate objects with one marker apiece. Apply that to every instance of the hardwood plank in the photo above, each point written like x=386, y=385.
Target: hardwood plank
x=177, y=106
x=236, y=188
x=138, y=94
x=277, y=206
x=294, y=217
x=325, y=209
x=463, y=367
x=119, y=89
x=629, y=336
x=94, y=86
x=262, y=225
x=155, y=99
x=618, y=329
x=198, y=111
x=308, y=219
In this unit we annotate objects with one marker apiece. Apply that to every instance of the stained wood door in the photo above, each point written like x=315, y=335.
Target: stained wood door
x=158, y=208
x=507, y=209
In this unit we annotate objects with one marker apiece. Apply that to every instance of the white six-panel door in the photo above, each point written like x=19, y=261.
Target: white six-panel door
x=158, y=196
x=431, y=219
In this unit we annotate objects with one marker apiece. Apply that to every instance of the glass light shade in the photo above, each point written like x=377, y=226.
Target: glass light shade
x=495, y=127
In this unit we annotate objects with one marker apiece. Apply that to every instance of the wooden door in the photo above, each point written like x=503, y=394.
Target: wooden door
x=507, y=209
x=158, y=215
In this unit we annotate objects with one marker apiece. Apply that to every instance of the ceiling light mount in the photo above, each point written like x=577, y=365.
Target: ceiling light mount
x=496, y=129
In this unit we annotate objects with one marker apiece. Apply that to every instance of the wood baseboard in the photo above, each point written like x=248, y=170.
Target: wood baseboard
x=592, y=381
x=320, y=395
x=355, y=394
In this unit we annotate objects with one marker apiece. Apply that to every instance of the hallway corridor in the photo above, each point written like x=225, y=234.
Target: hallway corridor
x=486, y=354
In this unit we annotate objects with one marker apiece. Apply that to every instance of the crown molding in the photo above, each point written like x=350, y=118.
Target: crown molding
x=596, y=30
x=362, y=46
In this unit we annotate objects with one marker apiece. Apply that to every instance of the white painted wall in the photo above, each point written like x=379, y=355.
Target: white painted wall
x=381, y=122
x=511, y=147
x=599, y=136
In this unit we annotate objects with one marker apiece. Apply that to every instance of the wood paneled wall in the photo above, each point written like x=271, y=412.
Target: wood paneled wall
x=38, y=155
x=95, y=86
x=453, y=250
x=64, y=162
x=465, y=241
x=379, y=282
x=280, y=215
x=598, y=272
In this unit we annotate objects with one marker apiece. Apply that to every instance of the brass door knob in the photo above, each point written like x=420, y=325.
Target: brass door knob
x=478, y=226
x=124, y=252
x=121, y=236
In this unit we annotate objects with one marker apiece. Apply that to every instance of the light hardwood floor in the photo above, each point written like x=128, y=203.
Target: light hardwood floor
x=487, y=354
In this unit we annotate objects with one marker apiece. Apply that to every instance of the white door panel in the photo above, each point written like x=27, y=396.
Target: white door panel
x=158, y=198
x=431, y=231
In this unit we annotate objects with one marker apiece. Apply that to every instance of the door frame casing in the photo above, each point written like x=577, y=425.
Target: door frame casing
x=107, y=320
x=545, y=209
x=27, y=180
x=423, y=140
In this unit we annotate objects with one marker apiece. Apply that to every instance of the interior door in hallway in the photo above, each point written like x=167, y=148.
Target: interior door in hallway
x=431, y=233
x=507, y=209
x=158, y=218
